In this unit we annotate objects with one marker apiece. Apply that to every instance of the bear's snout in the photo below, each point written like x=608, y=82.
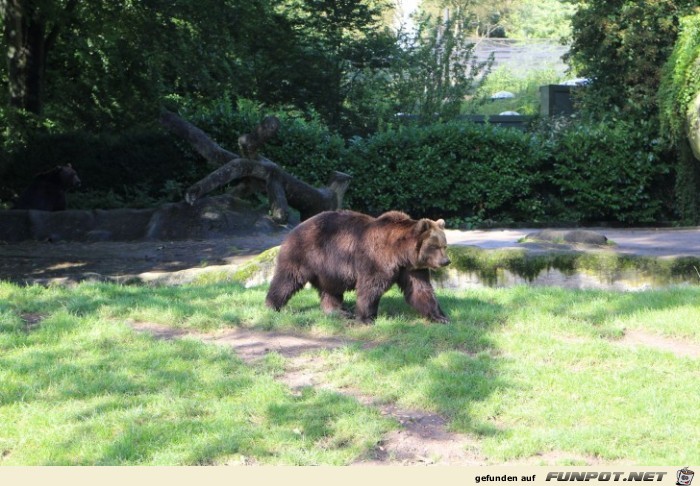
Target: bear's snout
x=445, y=261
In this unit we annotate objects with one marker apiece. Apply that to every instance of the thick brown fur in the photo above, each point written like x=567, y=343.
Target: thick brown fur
x=47, y=192
x=338, y=251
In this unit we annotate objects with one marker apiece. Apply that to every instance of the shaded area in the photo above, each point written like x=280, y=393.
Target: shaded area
x=70, y=262
x=96, y=394
x=208, y=218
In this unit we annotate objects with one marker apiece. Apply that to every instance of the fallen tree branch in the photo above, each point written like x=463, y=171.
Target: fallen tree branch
x=283, y=189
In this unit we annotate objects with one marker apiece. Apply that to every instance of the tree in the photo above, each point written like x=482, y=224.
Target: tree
x=104, y=64
x=482, y=18
x=622, y=45
x=437, y=69
x=679, y=99
x=30, y=31
x=281, y=187
x=110, y=64
x=338, y=40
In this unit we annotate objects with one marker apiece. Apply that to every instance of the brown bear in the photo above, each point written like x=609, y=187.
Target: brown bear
x=47, y=192
x=337, y=251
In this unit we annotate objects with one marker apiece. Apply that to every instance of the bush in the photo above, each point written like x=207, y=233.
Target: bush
x=680, y=84
x=680, y=81
x=587, y=172
x=622, y=45
x=149, y=167
x=608, y=171
x=130, y=169
x=577, y=173
x=453, y=169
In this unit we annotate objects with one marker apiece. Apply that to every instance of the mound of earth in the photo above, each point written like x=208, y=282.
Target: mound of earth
x=577, y=236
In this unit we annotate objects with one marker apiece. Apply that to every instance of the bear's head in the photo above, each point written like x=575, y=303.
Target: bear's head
x=66, y=177
x=432, y=244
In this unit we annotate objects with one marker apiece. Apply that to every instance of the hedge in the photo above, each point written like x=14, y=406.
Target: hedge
x=604, y=172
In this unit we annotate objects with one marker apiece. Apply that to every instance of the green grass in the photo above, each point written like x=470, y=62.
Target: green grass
x=525, y=87
x=526, y=371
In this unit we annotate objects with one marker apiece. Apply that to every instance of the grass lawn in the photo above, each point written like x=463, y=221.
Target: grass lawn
x=526, y=371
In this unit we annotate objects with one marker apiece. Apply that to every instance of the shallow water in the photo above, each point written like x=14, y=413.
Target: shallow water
x=626, y=280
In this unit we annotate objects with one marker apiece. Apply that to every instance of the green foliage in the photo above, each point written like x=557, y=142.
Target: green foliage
x=336, y=48
x=622, y=45
x=609, y=171
x=541, y=19
x=447, y=170
x=109, y=65
x=518, y=19
x=130, y=169
x=587, y=172
x=472, y=174
x=437, y=70
x=680, y=82
x=304, y=145
x=526, y=89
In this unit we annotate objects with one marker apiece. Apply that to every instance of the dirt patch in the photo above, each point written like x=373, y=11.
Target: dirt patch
x=32, y=321
x=169, y=262
x=423, y=437
x=553, y=458
x=682, y=349
x=422, y=440
x=249, y=345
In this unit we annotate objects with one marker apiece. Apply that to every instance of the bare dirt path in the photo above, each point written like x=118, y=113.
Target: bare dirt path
x=635, y=338
x=423, y=437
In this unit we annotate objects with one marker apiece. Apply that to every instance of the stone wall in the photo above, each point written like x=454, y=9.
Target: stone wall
x=209, y=217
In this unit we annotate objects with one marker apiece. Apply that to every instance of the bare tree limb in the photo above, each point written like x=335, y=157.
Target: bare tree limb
x=283, y=189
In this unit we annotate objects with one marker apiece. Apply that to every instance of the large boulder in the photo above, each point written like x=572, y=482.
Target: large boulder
x=575, y=237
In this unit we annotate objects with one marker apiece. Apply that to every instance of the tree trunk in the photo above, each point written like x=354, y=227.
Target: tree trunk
x=28, y=43
x=283, y=189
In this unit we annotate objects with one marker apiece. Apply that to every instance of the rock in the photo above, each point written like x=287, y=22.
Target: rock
x=209, y=217
x=583, y=237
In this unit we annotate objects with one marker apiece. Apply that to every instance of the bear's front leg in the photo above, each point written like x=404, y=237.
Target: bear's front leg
x=283, y=286
x=332, y=303
x=369, y=292
x=419, y=293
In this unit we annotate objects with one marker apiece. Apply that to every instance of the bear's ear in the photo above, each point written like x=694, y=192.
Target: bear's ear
x=422, y=226
x=440, y=223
